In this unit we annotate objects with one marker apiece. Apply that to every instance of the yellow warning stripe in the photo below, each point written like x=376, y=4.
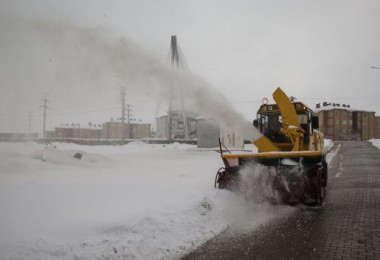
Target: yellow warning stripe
x=272, y=155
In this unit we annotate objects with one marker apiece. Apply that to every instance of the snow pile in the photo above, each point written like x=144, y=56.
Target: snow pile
x=375, y=142
x=137, y=201
x=328, y=145
x=68, y=157
x=329, y=150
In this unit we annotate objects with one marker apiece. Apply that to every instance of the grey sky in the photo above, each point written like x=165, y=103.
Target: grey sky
x=315, y=50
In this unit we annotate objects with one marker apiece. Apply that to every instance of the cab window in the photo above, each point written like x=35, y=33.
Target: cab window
x=270, y=126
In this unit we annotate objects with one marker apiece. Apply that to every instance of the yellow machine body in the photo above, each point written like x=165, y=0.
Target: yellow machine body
x=296, y=137
x=290, y=143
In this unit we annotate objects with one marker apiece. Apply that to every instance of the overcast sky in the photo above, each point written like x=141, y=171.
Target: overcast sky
x=314, y=50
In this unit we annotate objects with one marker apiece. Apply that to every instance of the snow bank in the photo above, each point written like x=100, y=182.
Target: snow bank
x=328, y=145
x=375, y=142
x=137, y=201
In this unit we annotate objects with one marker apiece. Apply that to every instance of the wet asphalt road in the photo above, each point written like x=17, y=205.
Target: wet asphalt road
x=347, y=227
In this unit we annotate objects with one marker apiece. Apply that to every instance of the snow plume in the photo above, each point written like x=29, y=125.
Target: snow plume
x=261, y=183
x=99, y=54
x=87, y=62
x=257, y=183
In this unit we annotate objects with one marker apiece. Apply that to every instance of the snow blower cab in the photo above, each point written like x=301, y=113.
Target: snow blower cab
x=290, y=152
x=291, y=127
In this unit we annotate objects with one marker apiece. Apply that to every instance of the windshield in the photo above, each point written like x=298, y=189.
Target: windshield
x=270, y=125
x=271, y=121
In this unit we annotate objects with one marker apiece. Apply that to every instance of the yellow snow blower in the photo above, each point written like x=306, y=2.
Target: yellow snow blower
x=290, y=153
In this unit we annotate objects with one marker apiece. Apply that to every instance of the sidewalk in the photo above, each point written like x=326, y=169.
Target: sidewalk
x=349, y=227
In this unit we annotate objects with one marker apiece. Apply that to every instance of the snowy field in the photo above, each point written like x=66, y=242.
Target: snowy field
x=137, y=201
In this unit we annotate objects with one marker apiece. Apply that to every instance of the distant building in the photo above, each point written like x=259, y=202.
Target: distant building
x=343, y=123
x=177, y=129
x=377, y=127
x=113, y=130
x=140, y=131
x=74, y=132
x=363, y=124
x=109, y=130
x=49, y=134
x=13, y=136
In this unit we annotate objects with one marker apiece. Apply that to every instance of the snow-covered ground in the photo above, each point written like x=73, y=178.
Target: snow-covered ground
x=136, y=201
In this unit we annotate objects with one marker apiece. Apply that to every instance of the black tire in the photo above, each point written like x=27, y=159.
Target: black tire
x=325, y=173
x=309, y=200
x=322, y=182
x=322, y=196
x=218, y=176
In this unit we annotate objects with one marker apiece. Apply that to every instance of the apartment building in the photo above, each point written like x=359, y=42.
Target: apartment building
x=343, y=123
x=377, y=127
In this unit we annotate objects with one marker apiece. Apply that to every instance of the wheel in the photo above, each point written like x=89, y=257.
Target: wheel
x=321, y=188
x=315, y=188
x=218, y=178
x=227, y=179
x=322, y=196
x=325, y=173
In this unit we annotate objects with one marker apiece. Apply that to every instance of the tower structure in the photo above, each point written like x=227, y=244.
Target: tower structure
x=176, y=107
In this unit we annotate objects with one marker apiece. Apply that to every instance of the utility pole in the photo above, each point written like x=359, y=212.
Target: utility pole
x=129, y=115
x=44, y=106
x=123, y=114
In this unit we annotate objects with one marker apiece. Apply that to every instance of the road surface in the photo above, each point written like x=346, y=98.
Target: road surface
x=347, y=227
